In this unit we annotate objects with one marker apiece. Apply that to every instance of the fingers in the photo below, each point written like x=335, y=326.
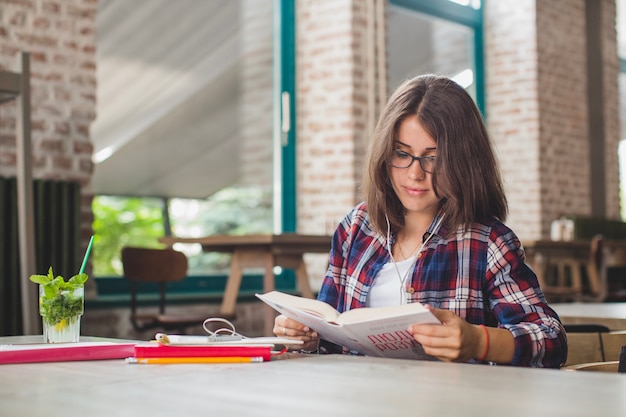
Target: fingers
x=443, y=316
x=285, y=327
x=454, y=341
x=442, y=345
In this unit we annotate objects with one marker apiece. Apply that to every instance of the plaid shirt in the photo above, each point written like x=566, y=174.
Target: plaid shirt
x=480, y=275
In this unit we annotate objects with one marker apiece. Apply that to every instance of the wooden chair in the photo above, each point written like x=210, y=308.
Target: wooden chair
x=618, y=366
x=585, y=343
x=611, y=257
x=612, y=344
x=159, y=266
x=610, y=366
x=565, y=277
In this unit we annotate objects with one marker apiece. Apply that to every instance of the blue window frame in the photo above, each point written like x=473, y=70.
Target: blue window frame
x=470, y=17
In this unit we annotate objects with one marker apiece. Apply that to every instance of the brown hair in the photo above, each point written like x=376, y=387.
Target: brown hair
x=466, y=174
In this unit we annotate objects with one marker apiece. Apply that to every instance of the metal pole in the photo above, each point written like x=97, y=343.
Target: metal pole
x=26, y=225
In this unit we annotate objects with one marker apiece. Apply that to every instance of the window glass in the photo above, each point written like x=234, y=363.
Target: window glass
x=231, y=211
x=475, y=4
x=419, y=44
x=185, y=114
x=119, y=222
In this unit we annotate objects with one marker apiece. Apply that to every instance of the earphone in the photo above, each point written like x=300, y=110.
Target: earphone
x=413, y=258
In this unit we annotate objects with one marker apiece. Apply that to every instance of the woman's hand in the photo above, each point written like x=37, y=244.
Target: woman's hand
x=285, y=327
x=455, y=341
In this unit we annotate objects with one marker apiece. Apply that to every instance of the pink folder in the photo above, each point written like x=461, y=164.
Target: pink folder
x=62, y=352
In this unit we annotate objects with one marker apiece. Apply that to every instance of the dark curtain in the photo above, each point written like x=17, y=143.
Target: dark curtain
x=57, y=241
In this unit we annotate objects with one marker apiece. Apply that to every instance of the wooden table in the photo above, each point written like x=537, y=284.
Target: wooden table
x=612, y=315
x=559, y=266
x=265, y=251
x=325, y=385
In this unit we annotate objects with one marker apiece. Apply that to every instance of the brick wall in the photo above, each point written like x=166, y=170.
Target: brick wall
x=59, y=35
x=338, y=99
x=563, y=110
x=326, y=113
x=610, y=66
x=537, y=108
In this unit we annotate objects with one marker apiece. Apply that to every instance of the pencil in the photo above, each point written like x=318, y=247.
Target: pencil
x=212, y=359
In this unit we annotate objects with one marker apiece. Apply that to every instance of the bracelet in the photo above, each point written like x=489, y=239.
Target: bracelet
x=484, y=355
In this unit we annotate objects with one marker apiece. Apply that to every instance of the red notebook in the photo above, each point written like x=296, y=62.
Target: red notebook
x=62, y=352
x=158, y=350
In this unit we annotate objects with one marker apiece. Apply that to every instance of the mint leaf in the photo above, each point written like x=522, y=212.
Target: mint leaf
x=78, y=279
x=39, y=279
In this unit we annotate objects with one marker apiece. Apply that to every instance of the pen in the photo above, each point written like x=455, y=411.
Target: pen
x=212, y=359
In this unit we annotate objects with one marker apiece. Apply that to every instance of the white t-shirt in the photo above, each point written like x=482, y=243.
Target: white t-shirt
x=388, y=288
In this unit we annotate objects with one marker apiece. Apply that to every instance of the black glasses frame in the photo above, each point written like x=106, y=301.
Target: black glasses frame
x=420, y=159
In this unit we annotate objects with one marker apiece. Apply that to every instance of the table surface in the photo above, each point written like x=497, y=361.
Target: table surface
x=612, y=315
x=299, y=243
x=306, y=386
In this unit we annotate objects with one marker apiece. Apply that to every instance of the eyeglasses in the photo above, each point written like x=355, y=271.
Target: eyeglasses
x=401, y=159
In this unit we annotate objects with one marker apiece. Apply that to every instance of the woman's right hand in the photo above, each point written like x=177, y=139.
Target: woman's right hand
x=286, y=327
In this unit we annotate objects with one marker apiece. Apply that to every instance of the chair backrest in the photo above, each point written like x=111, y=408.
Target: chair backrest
x=585, y=343
x=609, y=257
x=153, y=265
x=610, y=366
x=612, y=343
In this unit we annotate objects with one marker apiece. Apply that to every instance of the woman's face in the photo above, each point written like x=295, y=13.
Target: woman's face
x=413, y=185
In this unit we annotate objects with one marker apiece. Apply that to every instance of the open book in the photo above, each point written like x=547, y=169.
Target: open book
x=379, y=331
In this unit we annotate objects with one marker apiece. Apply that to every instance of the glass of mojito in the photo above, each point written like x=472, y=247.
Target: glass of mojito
x=61, y=305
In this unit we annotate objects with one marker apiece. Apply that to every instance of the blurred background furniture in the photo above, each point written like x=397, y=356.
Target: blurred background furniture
x=261, y=251
x=585, y=343
x=610, y=366
x=159, y=266
x=591, y=269
x=566, y=270
x=612, y=269
x=593, y=343
x=611, y=315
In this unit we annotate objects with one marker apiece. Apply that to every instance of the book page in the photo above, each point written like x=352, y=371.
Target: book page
x=376, y=313
x=278, y=300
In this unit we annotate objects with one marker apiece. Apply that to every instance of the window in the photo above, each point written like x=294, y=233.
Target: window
x=187, y=114
x=443, y=37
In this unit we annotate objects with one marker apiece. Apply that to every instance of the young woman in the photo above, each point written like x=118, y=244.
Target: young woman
x=431, y=231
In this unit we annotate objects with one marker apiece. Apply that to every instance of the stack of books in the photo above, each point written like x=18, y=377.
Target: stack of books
x=158, y=353
x=176, y=349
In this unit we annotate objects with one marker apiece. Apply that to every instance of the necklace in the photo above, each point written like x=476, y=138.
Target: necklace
x=413, y=258
x=404, y=257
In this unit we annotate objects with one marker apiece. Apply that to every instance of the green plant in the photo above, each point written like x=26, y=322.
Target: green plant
x=58, y=302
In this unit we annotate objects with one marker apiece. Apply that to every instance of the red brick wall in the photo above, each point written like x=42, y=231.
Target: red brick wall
x=537, y=108
x=59, y=35
x=329, y=112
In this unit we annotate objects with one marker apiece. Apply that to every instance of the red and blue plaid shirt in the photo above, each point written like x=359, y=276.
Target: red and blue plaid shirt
x=479, y=274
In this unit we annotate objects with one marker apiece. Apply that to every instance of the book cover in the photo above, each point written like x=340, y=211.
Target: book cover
x=158, y=350
x=380, y=331
x=63, y=352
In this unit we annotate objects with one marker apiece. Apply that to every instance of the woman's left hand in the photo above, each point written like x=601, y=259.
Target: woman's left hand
x=455, y=341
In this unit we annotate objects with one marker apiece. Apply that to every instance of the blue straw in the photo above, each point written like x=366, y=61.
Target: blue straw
x=82, y=267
